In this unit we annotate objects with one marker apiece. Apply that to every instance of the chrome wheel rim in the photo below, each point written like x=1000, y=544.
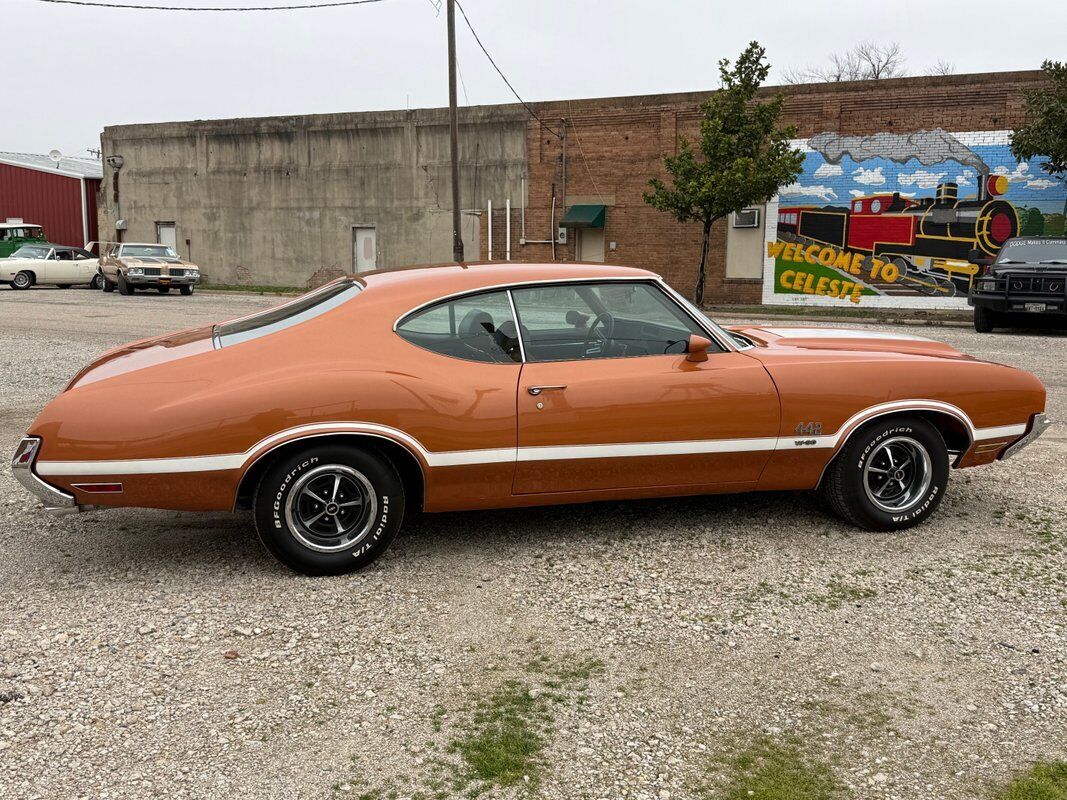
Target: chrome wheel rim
x=22, y=280
x=331, y=508
x=897, y=474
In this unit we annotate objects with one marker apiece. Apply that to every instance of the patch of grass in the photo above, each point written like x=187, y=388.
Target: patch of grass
x=1045, y=780
x=772, y=768
x=502, y=742
x=252, y=289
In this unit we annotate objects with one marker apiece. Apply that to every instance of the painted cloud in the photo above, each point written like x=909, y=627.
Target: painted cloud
x=824, y=193
x=869, y=177
x=1041, y=184
x=828, y=171
x=921, y=178
x=1020, y=173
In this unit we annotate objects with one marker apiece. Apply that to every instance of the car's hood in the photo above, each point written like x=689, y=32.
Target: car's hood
x=145, y=353
x=1008, y=269
x=155, y=261
x=785, y=340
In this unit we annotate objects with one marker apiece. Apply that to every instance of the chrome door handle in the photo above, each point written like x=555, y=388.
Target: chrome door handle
x=536, y=390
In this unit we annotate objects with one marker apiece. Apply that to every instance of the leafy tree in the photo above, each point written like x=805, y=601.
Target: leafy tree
x=1045, y=133
x=1033, y=223
x=741, y=158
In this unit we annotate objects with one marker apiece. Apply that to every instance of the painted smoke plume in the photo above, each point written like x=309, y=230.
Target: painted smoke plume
x=927, y=147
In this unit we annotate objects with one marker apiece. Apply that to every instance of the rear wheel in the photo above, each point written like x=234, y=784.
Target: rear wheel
x=984, y=319
x=186, y=290
x=330, y=509
x=22, y=280
x=124, y=287
x=890, y=475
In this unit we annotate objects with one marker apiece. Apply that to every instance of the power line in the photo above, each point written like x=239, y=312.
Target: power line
x=500, y=72
x=95, y=4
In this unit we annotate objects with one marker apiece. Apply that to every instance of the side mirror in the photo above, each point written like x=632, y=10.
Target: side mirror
x=697, y=349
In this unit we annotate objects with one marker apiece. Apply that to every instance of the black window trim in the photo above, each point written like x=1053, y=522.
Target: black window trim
x=721, y=339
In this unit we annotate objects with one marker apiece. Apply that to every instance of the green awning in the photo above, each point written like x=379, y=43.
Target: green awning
x=583, y=217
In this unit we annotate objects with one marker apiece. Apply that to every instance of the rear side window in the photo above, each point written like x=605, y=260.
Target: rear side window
x=474, y=328
x=285, y=316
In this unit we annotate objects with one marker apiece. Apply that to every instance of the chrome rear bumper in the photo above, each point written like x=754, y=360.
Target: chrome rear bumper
x=55, y=500
x=1038, y=425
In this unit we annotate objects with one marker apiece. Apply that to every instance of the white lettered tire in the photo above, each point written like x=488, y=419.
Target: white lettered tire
x=329, y=509
x=890, y=475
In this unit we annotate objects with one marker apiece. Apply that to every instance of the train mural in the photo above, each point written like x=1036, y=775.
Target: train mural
x=891, y=219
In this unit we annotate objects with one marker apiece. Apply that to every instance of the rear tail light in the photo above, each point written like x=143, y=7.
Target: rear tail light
x=26, y=452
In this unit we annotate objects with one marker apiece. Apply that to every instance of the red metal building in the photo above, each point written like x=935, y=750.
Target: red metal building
x=58, y=195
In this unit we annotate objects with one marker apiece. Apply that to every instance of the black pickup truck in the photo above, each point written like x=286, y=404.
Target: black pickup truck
x=1027, y=277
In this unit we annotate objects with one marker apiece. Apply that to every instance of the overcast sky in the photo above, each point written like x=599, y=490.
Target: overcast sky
x=72, y=70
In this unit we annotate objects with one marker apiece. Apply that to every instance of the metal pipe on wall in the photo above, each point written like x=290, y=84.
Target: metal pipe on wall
x=522, y=199
x=507, y=230
x=490, y=227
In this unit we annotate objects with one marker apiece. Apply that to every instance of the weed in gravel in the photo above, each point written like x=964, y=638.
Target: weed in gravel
x=771, y=768
x=1045, y=780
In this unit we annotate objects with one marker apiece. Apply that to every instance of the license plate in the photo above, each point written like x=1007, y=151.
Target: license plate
x=164, y=280
x=1035, y=306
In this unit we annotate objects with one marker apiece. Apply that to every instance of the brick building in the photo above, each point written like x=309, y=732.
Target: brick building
x=606, y=150
x=902, y=179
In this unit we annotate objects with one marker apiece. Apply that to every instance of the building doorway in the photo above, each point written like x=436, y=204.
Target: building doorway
x=364, y=248
x=591, y=244
x=167, y=233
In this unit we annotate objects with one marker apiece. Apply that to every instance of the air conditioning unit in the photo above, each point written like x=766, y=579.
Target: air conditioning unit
x=746, y=218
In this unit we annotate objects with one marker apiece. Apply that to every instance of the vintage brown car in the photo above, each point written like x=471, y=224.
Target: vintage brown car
x=129, y=266
x=489, y=386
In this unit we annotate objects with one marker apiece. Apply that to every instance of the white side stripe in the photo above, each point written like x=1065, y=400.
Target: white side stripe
x=452, y=458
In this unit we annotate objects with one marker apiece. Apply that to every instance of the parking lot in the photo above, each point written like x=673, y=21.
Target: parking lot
x=647, y=640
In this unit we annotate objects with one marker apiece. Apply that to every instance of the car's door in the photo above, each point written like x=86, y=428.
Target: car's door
x=63, y=269
x=607, y=398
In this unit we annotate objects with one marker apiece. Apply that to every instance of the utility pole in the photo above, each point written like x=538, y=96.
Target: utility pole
x=453, y=119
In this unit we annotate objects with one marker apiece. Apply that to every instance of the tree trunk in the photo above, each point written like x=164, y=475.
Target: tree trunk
x=698, y=295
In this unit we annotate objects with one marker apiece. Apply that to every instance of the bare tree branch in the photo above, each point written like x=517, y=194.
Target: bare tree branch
x=866, y=61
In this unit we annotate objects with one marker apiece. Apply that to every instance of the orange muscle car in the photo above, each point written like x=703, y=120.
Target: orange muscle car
x=501, y=385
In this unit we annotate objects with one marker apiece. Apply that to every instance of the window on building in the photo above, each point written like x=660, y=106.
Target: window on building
x=476, y=327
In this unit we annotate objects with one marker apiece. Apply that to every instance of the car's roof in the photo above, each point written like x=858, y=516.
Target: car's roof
x=139, y=244
x=475, y=275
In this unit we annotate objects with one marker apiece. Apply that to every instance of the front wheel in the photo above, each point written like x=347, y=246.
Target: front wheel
x=97, y=282
x=186, y=290
x=22, y=280
x=330, y=509
x=984, y=319
x=124, y=286
x=890, y=475
x=105, y=284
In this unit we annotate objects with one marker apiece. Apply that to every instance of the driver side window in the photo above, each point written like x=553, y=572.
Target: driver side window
x=600, y=320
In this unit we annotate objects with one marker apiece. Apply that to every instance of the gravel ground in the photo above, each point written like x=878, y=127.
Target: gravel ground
x=148, y=653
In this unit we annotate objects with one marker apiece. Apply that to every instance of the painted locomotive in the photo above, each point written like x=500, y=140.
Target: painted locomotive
x=927, y=239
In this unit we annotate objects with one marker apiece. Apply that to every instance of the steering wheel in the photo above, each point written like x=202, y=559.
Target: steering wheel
x=608, y=322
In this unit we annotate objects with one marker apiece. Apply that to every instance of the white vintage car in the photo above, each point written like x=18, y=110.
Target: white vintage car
x=46, y=263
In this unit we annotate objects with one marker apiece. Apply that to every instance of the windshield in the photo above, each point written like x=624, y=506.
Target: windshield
x=1032, y=251
x=148, y=251
x=31, y=252
x=286, y=315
